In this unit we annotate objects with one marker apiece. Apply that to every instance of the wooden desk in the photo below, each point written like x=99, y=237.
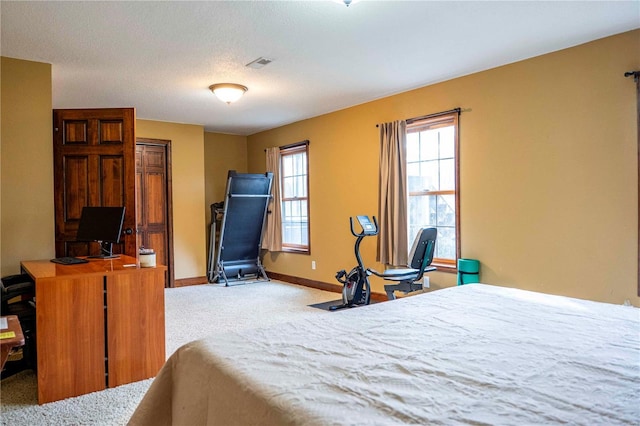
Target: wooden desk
x=99, y=324
x=11, y=342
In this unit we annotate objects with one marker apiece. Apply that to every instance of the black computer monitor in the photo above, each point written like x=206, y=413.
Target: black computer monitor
x=101, y=224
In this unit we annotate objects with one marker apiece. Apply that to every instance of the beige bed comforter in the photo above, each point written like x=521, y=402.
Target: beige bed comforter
x=474, y=354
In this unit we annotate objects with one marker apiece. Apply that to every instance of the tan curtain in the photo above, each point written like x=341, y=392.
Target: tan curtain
x=272, y=239
x=392, y=201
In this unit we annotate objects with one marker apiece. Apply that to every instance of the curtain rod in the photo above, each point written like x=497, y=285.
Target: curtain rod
x=424, y=117
x=293, y=145
x=634, y=74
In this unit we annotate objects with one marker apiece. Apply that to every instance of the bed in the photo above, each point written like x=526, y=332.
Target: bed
x=473, y=354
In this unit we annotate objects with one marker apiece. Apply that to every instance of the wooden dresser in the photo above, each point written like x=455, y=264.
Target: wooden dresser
x=99, y=324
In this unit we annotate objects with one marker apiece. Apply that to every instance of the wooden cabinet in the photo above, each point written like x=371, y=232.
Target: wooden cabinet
x=135, y=326
x=99, y=324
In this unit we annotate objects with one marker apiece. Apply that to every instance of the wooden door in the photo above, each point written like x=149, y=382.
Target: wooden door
x=153, y=195
x=94, y=165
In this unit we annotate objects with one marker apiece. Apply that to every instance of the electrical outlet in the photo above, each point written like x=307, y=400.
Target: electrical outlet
x=313, y=264
x=425, y=282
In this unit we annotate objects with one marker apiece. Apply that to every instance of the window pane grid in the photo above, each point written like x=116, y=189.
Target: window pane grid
x=294, y=222
x=437, y=211
x=431, y=164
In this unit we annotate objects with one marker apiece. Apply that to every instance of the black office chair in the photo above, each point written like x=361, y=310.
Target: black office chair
x=18, y=294
x=409, y=279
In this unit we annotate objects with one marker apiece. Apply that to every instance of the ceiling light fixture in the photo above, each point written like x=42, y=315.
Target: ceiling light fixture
x=346, y=2
x=228, y=92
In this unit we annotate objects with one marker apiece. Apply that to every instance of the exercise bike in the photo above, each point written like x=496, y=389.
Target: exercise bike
x=356, y=289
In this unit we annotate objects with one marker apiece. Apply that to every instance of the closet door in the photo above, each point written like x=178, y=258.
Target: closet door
x=154, y=200
x=94, y=165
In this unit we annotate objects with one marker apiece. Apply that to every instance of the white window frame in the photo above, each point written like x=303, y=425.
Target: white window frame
x=288, y=246
x=433, y=122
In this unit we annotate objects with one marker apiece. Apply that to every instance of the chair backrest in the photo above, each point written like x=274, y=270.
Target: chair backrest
x=13, y=286
x=422, y=250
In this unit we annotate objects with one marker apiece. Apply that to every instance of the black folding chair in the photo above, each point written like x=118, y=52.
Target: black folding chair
x=18, y=298
x=409, y=279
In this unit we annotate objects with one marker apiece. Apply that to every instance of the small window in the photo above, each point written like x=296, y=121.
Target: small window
x=432, y=173
x=294, y=171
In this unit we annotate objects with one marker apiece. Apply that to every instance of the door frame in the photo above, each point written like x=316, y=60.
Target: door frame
x=166, y=144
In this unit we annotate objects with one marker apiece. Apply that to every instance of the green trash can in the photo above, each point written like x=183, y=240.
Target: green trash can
x=468, y=271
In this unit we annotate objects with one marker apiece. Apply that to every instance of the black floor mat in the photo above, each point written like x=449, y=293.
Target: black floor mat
x=326, y=305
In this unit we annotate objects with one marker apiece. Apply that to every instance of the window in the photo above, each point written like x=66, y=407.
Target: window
x=432, y=174
x=294, y=184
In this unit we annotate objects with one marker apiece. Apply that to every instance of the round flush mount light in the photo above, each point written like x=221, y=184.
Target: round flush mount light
x=346, y=2
x=228, y=92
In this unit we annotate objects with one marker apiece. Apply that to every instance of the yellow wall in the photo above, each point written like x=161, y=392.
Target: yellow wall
x=548, y=181
x=26, y=162
x=222, y=153
x=189, y=228
x=549, y=173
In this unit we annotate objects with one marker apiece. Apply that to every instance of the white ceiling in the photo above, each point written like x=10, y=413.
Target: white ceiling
x=161, y=57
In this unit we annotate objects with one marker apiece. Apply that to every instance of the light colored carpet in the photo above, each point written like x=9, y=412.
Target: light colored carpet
x=191, y=313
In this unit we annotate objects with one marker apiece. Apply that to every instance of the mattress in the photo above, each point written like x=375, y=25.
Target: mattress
x=473, y=354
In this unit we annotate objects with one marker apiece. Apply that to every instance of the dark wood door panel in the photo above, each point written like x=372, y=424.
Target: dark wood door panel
x=157, y=239
x=112, y=183
x=111, y=132
x=156, y=211
x=76, y=186
x=75, y=132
